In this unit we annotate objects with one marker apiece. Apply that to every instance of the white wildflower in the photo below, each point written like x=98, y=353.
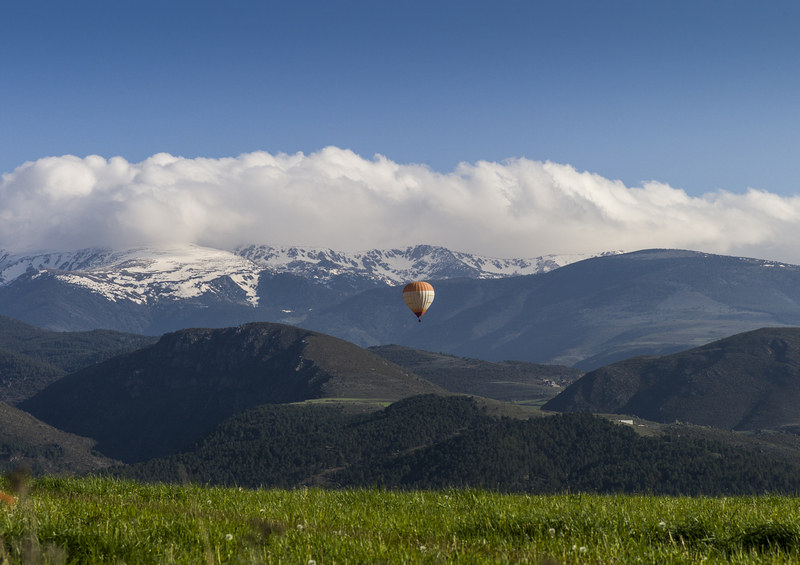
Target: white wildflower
x=582, y=549
x=552, y=531
x=228, y=537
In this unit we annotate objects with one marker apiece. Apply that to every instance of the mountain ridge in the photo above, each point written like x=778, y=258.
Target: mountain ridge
x=748, y=381
x=152, y=401
x=145, y=274
x=585, y=314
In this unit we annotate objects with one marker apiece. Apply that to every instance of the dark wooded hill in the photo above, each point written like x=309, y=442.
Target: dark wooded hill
x=586, y=314
x=69, y=351
x=21, y=376
x=155, y=400
x=26, y=441
x=744, y=382
x=439, y=442
x=31, y=358
x=509, y=381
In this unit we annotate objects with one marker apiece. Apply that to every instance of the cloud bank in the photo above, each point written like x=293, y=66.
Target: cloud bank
x=335, y=198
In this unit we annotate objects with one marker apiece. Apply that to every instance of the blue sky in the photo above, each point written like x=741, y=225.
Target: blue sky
x=498, y=128
x=699, y=95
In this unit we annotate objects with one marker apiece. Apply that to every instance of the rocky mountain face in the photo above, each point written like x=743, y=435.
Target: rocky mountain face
x=155, y=400
x=159, y=289
x=745, y=382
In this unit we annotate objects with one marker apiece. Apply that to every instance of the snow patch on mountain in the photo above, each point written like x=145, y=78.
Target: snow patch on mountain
x=143, y=275
x=396, y=266
x=148, y=275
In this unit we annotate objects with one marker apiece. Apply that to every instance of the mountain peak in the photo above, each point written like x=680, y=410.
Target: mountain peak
x=153, y=274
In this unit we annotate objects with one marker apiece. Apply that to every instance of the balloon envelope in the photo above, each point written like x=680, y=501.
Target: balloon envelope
x=418, y=296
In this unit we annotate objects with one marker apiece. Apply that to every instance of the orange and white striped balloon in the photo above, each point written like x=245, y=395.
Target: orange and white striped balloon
x=418, y=296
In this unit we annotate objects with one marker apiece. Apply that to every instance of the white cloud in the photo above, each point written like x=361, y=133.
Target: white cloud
x=334, y=198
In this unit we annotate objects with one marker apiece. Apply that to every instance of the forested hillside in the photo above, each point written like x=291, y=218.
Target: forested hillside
x=437, y=442
x=22, y=376
x=154, y=401
x=32, y=358
x=69, y=351
x=28, y=442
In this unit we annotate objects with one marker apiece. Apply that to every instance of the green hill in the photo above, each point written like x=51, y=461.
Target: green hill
x=289, y=445
x=509, y=381
x=745, y=382
x=438, y=442
x=154, y=401
x=22, y=376
x=26, y=441
x=69, y=351
x=32, y=358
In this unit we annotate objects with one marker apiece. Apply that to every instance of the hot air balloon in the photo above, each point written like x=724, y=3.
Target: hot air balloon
x=418, y=296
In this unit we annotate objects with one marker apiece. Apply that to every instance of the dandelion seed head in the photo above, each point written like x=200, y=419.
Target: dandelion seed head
x=552, y=531
x=582, y=549
x=312, y=562
x=228, y=537
x=662, y=525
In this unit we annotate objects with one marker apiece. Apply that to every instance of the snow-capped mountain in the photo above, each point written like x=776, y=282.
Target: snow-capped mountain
x=143, y=275
x=395, y=266
x=157, y=289
x=151, y=275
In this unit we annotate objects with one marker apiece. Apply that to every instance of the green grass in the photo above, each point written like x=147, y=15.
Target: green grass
x=91, y=520
x=382, y=401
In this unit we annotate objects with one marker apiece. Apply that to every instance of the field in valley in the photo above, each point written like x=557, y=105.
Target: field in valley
x=91, y=520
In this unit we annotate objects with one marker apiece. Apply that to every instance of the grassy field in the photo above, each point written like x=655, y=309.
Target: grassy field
x=91, y=520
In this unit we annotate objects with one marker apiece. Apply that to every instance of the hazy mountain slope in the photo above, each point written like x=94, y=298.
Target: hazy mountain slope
x=155, y=400
x=585, y=314
x=747, y=381
x=32, y=358
x=510, y=381
x=24, y=440
x=68, y=351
